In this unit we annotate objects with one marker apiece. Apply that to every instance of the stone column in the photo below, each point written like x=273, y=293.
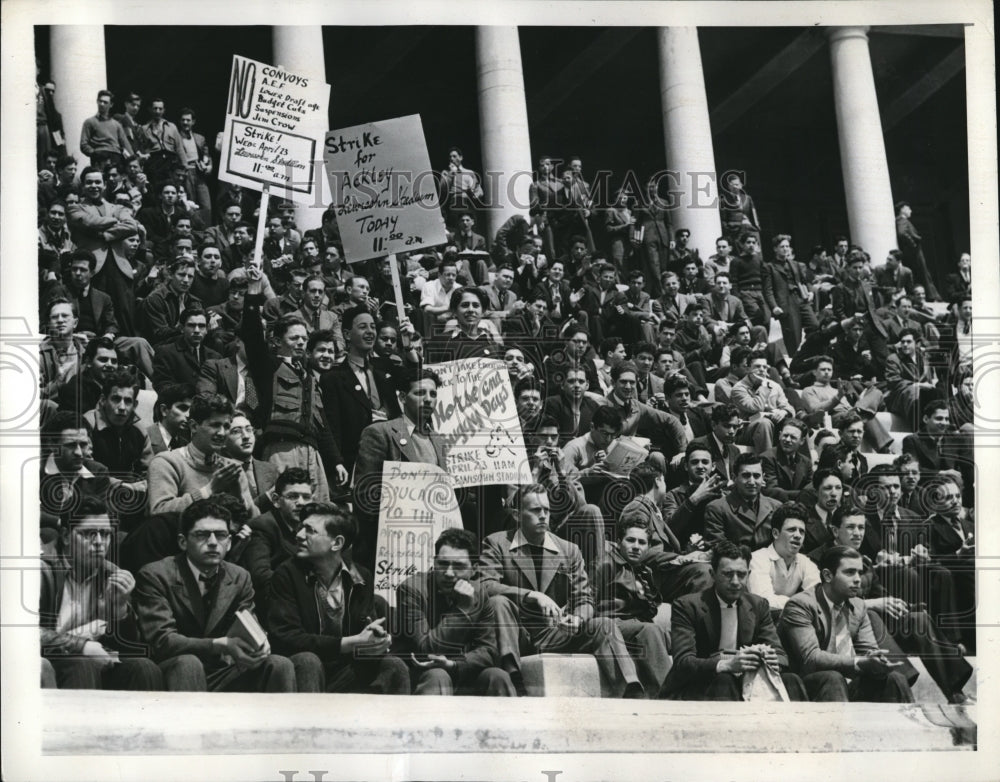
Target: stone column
x=79, y=68
x=503, y=121
x=687, y=138
x=299, y=49
x=862, y=146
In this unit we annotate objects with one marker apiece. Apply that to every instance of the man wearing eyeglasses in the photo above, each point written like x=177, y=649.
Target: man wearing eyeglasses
x=187, y=605
x=84, y=612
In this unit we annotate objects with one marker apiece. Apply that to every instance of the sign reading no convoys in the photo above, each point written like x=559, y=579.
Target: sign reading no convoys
x=275, y=122
x=383, y=188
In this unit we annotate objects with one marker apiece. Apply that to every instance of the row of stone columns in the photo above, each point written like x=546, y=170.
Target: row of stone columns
x=79, y=67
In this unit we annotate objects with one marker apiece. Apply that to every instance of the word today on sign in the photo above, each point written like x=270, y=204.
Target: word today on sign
x=383, y=188
x=275, y=120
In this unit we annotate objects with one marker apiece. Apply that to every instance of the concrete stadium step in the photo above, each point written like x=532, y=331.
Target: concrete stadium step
x=128, y=724
x=561, y=676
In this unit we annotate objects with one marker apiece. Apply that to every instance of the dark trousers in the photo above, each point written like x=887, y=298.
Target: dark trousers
x=598, y=636
x=489, y=681
x=385, y=675
x=827, y=686
x=647, y=643
x=929, y=584
x=84, y=673
x=916, y=634
x=673, y=581
x=186, y=673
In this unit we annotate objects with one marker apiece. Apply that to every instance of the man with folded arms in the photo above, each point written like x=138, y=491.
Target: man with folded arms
x=324, y=613
x=187, y=606
x=827, y=630
x=448, y=626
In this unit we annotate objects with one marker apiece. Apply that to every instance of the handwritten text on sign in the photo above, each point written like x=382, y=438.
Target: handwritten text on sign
x=476, y=410
x=418, y=503
x=274, y=122
x=384, y=191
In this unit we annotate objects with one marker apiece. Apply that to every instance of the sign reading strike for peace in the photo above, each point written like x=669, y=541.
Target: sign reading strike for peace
x=384, y=190
x=477, y=413
x=417, y=504
x=275, y=121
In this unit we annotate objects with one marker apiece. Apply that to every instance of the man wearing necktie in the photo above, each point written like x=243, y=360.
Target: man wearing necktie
x=240, y=443
x=827, y=630
x=180, y=361
x=952, y=544
x=187, y=604
x=538, y=587
x=723, y=633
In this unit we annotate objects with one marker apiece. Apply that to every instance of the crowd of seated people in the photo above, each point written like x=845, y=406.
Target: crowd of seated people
x=215, y=425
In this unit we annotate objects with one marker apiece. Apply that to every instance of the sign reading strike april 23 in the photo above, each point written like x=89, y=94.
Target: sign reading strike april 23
x=275, y=121
x=383, y=188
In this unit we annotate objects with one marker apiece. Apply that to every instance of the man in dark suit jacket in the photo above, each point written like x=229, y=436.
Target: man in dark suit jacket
x=853, y=296
x=349, y=408
x=893, y=277
x=180, y=361
x=709, y=650
x=787, y=471
x=344, y=649
x=720, y=442
x=572, y=353
x=188, y=603
x=696, y=422
x=958, y=285
x=684, y=506
x=554, y=289
x=953, y=547
x=742, y=515
x=272, y=538
x=571, y=408
x=445, y=618
x=933, y=446
x=784, y=282
x=538, y=586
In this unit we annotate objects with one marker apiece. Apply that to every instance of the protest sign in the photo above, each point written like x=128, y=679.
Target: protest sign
x=383, y=188
x=476, y=411
x=275, y=121
x=417, y=504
